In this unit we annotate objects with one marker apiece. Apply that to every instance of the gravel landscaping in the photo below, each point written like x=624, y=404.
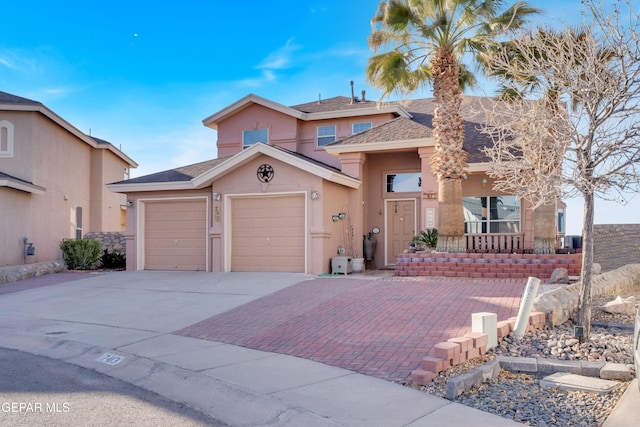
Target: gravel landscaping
x=520, y=396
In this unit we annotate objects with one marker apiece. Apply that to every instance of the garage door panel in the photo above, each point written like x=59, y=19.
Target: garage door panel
x=268, y=234
x=175, y=235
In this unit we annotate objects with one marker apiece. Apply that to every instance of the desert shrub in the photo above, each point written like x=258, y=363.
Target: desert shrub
x=427, y=239
x=113, y=260
x=81, y=254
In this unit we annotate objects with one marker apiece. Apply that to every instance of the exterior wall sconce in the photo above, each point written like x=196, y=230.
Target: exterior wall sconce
x=216, y=196
x=484, y=181
x=129, y=203
x=314, y=195
x=338, y=217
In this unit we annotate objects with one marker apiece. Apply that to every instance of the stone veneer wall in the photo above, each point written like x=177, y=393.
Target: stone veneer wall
x=14, y=273
x=559, y=304
x=616, y=245
x=486, y=265
x=112, y=241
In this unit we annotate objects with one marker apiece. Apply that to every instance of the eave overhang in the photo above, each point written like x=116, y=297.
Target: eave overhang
x=213, y=120
x=39, y=108
x=20, y=185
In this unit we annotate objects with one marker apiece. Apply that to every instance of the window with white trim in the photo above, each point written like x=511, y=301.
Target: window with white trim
x=495, y=214
x=326, y=135
x=360, y=127
x=6, y=138
x=79, y=222
x=251, y=137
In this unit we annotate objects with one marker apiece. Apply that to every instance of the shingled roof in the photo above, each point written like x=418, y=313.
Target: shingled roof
x=420, y=126
x=181, y=174
x=338, y=103
x=7, y=98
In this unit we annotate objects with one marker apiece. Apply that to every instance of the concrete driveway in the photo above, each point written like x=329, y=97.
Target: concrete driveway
x=123, y=324
x=145, y=303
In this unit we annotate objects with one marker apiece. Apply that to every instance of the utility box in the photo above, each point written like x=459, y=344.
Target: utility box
x=341, y=265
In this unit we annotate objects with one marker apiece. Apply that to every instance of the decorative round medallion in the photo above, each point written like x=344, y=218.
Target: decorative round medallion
x=265, y=173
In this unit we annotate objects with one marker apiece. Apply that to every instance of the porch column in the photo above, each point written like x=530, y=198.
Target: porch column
x=353, y=165
x=429, y=209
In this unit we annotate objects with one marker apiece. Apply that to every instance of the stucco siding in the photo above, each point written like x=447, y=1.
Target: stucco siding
x=50, y=157
x=281, y=129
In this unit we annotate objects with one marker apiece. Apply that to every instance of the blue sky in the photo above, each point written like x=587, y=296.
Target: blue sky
x=143, y=75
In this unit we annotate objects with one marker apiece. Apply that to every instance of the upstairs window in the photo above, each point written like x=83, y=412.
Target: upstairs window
x=326, y=135
x=6, y=138
x=360, y=127
x=251, y=137
x=491, y=214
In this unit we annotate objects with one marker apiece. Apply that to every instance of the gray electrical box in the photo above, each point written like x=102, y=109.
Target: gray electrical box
x=341, y=265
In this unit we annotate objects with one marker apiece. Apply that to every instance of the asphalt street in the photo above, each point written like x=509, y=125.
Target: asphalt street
x=39, y=391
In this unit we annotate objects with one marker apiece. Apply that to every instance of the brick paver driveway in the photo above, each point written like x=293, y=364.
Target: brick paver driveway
x=380, y=327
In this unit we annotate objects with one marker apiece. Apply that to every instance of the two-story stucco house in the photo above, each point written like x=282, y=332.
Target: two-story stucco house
x=297, y=185
x=53, y=182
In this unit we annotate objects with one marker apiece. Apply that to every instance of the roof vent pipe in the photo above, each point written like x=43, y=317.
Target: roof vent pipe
x=319, y=102
x=353, y=96
x=363, y=93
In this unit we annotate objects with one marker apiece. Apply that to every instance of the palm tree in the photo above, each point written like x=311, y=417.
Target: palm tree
x=428, y=40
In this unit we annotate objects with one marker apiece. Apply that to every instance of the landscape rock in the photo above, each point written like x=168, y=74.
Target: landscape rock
x=621, y=306
x=596, y=268
x=559, y=276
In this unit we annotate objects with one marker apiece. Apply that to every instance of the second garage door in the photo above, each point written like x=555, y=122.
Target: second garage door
x=268, y=233
x=175, y=235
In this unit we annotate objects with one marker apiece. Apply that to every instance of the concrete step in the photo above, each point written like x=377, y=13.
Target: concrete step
x=573, y=382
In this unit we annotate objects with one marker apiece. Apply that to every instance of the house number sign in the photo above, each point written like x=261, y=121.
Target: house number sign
x=265, y=173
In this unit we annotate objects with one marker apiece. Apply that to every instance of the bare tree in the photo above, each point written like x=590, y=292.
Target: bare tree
x=591, y=147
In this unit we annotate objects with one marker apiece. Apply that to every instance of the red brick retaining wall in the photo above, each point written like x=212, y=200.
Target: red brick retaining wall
x=486, y=265
x=458, y=350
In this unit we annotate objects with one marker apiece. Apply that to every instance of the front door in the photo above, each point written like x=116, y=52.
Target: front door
x=401, y=227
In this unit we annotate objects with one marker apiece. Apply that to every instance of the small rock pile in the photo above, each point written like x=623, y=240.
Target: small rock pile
x=606, y=344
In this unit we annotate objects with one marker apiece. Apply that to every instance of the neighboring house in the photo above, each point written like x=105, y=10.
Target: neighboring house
x=52, y=182
x=295, y=186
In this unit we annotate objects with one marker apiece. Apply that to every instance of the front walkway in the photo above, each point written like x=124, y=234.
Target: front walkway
x=379, y=327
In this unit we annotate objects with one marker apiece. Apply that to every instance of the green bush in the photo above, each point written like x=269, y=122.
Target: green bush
x=81, y=254
x=113, y=260
x=427, y=239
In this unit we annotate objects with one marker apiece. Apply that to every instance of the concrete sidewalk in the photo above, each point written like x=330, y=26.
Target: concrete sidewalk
x=627, y=411
x=131, y=316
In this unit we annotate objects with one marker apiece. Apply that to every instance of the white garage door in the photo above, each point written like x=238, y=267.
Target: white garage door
x=267, y=233
x=175, y=235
